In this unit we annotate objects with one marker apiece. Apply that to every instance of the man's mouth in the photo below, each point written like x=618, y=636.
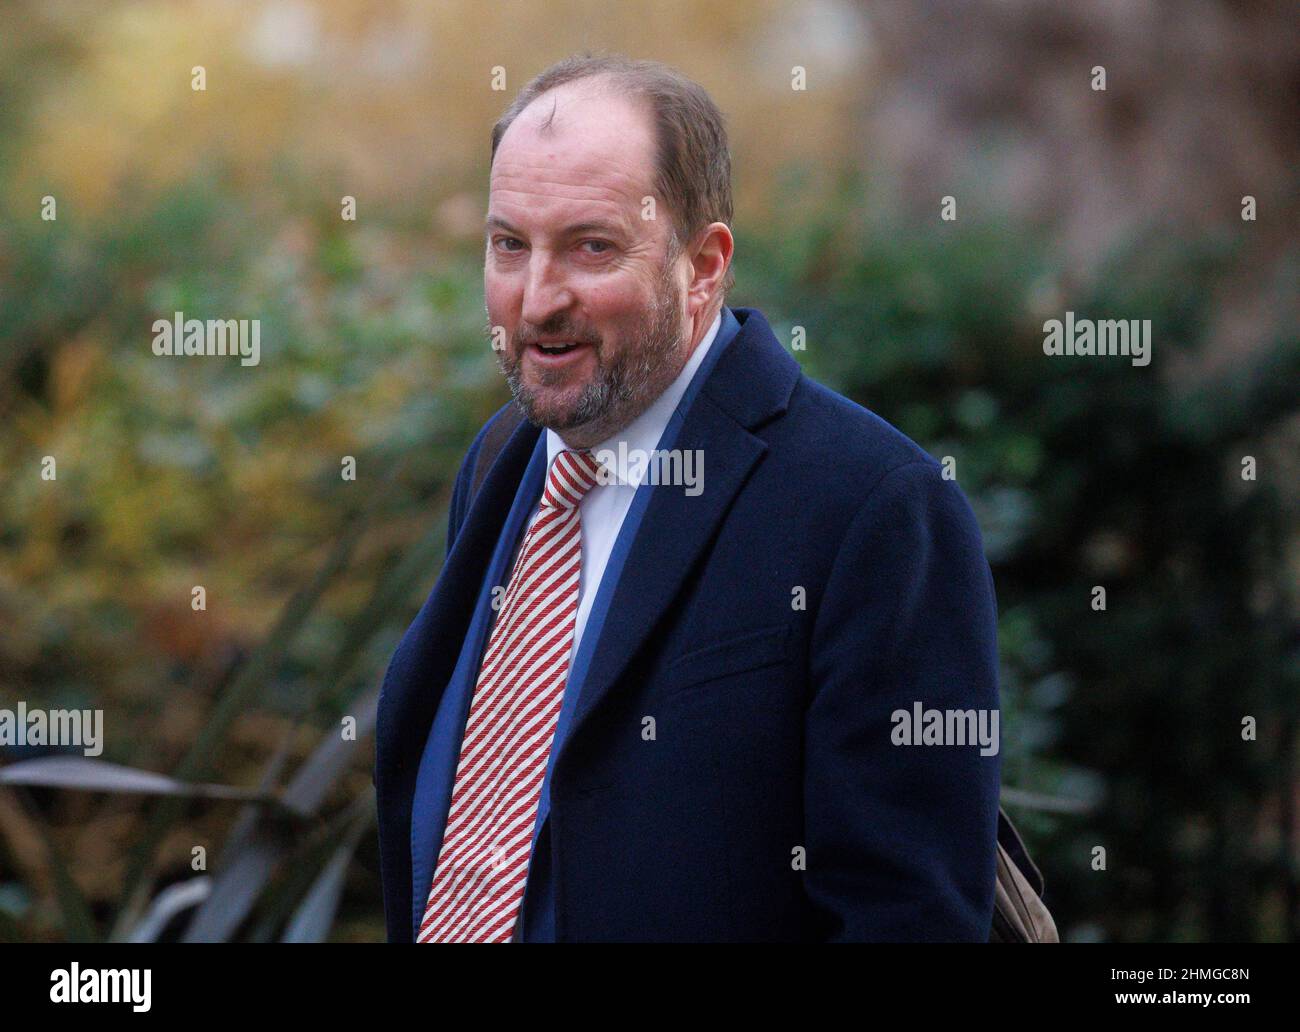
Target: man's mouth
x=557, y=352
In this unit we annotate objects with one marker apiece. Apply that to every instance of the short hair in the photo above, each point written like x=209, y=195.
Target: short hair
x=692, y=161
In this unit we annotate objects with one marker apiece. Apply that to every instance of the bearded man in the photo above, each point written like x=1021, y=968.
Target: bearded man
x=634, y=709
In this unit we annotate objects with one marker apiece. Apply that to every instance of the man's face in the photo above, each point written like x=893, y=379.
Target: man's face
x=569, y=258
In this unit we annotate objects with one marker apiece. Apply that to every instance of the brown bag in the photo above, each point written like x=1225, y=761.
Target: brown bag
x=1018, y=911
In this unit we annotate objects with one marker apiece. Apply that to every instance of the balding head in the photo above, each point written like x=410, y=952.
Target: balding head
x=577, y=250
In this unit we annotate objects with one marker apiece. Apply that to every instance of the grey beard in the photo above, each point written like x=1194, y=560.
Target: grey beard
x=624, y=389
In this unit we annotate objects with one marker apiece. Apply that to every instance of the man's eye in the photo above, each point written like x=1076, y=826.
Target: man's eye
x=599, y=243
x=507, y=240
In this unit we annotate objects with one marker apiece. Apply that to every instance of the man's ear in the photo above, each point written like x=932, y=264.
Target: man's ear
x=710, y=258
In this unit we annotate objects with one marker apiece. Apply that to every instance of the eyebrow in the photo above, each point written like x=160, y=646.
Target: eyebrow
x=595, y=226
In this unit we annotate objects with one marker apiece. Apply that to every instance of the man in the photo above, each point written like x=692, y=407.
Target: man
x=666, y=708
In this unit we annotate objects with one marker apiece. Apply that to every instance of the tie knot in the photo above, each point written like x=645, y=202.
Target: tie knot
x=572, y=475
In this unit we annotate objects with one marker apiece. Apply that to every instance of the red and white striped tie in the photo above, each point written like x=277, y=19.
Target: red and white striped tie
x=478, y=882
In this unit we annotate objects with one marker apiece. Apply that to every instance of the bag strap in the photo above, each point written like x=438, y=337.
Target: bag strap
x=1010, y=839
x=498, y=432
x=1019, y=914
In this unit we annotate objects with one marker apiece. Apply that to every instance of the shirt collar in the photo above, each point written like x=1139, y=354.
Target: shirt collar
x=642, y=435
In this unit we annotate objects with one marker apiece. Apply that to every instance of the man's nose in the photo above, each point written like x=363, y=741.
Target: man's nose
x=546, y=290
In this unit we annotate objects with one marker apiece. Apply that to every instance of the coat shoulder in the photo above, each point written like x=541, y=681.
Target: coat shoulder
x=845, y=447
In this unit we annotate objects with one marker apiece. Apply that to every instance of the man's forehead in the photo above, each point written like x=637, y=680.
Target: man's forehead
x=586, y=105
x=592, y=137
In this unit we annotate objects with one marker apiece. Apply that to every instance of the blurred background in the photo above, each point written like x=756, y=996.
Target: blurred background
x=229, y=804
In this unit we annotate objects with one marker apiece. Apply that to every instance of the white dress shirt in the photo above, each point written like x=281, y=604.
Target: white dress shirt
x=605, y=505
